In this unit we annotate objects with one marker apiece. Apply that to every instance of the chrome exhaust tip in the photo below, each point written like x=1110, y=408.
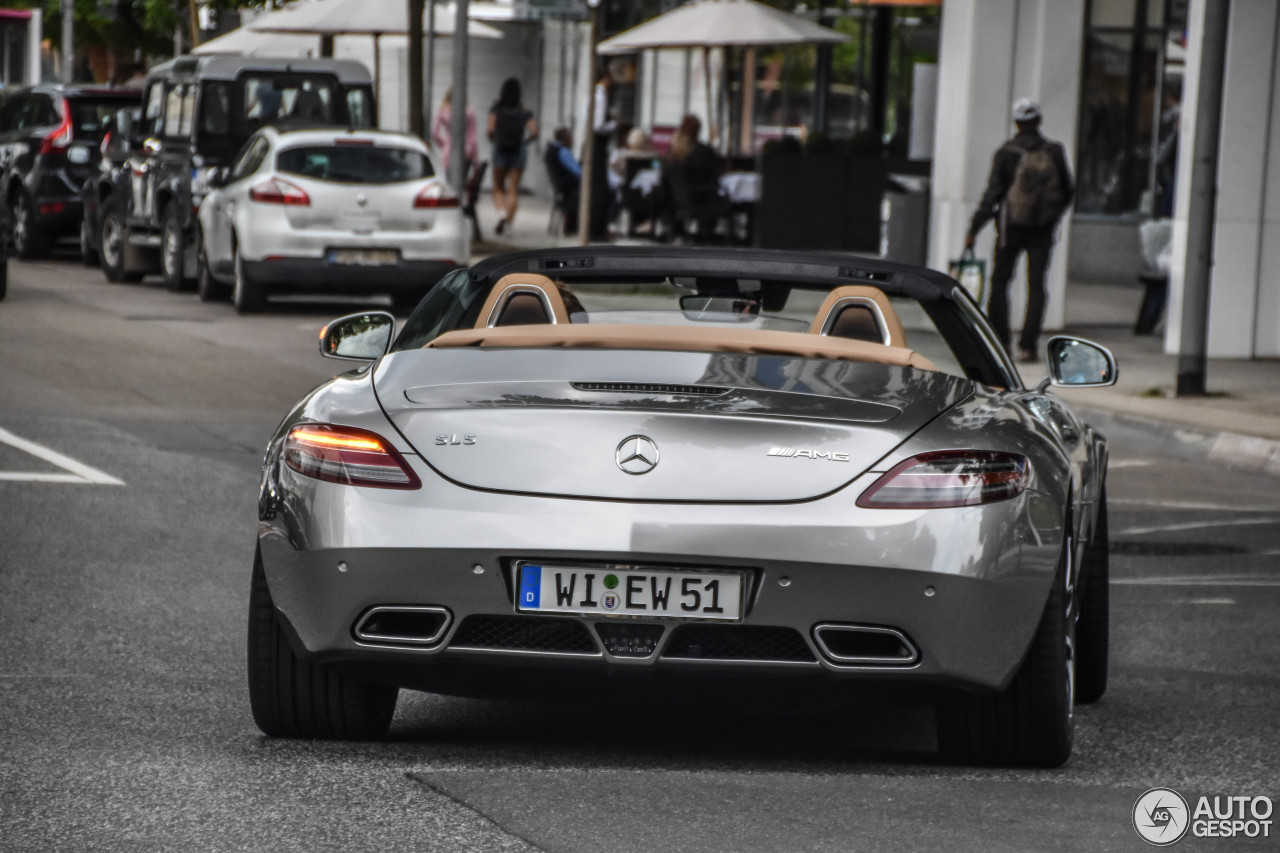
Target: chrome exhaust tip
x=400, y=625
x=865, y=645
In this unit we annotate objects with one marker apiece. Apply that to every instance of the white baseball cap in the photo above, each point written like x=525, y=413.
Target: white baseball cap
x=1026, y=109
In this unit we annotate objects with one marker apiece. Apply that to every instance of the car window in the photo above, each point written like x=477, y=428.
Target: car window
x=272, y=98
x=154, y=114
x=215, y=109
x=91, y=119
x=37, y=111
x=254, y=153
x=354, y=162
x=9, y=114
x=179, y=110
x=359, y=108
x=452, y=304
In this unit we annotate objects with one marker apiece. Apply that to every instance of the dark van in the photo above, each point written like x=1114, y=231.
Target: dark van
x=197, y=113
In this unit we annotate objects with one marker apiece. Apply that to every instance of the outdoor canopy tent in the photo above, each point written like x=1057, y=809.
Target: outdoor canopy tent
x=706, y=24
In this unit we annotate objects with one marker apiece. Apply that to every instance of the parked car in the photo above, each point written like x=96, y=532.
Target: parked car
x=197, y=114
x=316, y=211
x=49, y=138
x=681, y=472
x=116, y=146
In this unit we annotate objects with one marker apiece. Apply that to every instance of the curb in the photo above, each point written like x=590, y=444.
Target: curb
x=1260, y=455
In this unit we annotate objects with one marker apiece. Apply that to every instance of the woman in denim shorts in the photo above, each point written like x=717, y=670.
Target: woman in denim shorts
x=511, y=129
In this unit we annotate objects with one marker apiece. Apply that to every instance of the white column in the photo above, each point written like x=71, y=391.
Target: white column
x=1244, y=307
x=994, y=52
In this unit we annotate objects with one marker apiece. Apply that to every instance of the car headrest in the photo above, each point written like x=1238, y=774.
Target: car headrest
x=522, y=299
x=859, y=312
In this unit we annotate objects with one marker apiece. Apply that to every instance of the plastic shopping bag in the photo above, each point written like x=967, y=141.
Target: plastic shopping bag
x=972, y=274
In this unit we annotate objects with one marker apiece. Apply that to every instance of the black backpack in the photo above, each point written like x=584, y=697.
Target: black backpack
x=508, y=128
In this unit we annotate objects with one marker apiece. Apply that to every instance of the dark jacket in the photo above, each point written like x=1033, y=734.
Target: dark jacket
x=1004, y=166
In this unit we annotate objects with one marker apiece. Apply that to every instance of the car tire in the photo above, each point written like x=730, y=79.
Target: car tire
x=27, y=241
x=173, y=250
x=1031, y=722
x=1093, y=630
x=113, y=235
x=207, y=287
x=88, y=254
x=246, y=294
x=292, y=698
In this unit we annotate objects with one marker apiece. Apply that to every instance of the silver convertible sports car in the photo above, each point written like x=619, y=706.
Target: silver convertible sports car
x=617, y=471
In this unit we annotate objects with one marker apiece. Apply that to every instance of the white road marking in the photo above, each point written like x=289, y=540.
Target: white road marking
x=1129, y=463
x=1202, y=580
x=1212, y=601
x=1140, y=531
x=79, y=472
x=1188, y=505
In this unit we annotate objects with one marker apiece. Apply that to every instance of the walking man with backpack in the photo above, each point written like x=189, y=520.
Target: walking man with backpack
x=1029, y=189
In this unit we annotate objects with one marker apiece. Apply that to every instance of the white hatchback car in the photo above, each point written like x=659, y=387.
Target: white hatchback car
x=329, y=211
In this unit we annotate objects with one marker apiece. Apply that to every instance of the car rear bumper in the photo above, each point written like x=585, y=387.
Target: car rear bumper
x=968, y=611
x=318, y=275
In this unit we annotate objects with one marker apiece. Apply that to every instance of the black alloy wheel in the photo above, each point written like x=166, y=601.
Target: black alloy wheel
x=1031, y=723
x=88, y=254
x=1093, y=629
x=207, y=287
x=173, y=250
x=293, y=698
x=114, y=234
x=247, y=295
x=28, y=241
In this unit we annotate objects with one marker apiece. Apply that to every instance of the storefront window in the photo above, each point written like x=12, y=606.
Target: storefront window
x=1130, y=98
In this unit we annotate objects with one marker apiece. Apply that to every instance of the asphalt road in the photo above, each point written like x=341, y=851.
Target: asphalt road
x=124, y=721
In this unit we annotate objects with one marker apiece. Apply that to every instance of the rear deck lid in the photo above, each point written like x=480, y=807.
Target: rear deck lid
x=657, y=426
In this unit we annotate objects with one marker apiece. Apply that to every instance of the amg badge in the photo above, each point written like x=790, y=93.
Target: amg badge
x=793, y=453
x=455, y=439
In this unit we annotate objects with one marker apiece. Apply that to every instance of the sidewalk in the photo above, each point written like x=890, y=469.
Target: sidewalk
x=1237, y=423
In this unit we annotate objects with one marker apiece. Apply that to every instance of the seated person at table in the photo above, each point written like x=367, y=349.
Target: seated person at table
x=634, y=155
x=692, y=174
x=565, y=175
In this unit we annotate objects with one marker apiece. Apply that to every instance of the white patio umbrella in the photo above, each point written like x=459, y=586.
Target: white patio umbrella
x=359, y=17
x=722, y=23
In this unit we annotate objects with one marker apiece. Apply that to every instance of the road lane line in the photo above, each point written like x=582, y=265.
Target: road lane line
x=1249, y=582
x=1140, y=531
x=1129, y=463
x=83, y=473
x=1189, y=505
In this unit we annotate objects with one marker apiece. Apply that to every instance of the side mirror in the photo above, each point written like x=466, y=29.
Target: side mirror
x=151, y=146
x=358, y=337
x=1077, y=363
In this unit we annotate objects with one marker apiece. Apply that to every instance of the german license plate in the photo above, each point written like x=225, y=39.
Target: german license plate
x=364, y=257
x=617, y=591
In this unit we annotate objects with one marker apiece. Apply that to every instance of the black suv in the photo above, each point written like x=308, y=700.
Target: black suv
x=49, y=138
x=198, y=111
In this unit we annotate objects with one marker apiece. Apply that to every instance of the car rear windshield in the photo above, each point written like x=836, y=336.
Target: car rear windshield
x=351, y=163
x=90, y=117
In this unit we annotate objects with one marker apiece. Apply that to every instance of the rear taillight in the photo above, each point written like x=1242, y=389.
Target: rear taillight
x=105, y=145
x=279, y=191
x=59, y=138
x=949, y=478
x=346, y=455
x=435, y=196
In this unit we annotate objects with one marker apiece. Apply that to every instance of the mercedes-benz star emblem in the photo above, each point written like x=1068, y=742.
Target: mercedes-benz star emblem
x=637, y=454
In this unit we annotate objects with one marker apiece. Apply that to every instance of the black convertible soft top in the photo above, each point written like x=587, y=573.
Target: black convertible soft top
x=646, y=262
